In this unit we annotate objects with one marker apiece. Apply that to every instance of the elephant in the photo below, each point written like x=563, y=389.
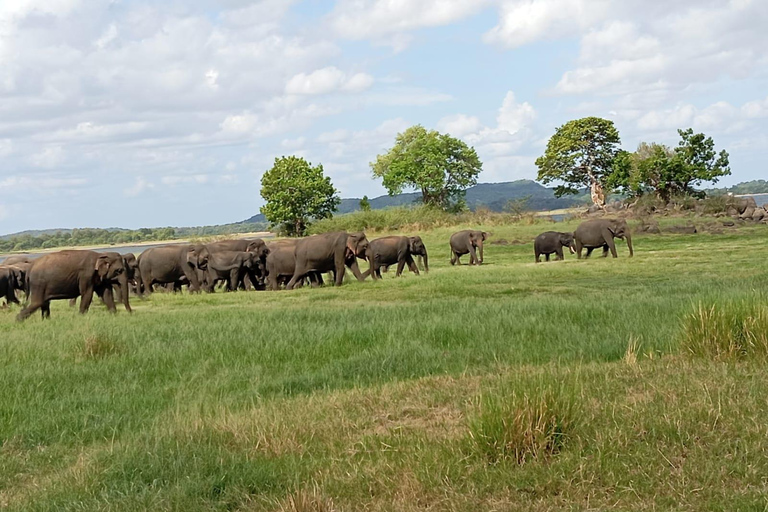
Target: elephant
x=12, y=278
x=171, y=263
x=232, y=267
x=331, y=252
x=281, y=264
x=398, y=250
x=121, y=284
x=255, y=246
x=14, y=260
x=553, y=242
x=465, y=242
x=600, y=233
x=69, y=274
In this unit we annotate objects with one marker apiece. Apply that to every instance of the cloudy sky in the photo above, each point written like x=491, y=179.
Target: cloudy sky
x=139, y=113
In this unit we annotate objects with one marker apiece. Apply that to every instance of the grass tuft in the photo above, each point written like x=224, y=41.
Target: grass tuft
x=306, y=501
x=97, y=346
x=728, y=331
x=524, y=425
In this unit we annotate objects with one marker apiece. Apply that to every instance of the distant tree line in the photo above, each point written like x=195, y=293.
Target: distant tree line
x=746, y=187
x=86, y=236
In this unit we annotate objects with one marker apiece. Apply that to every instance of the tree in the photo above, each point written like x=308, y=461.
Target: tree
x=297, y=193
x=365, y=204
x=666, y=172
x=438, y=165
x=580, y=154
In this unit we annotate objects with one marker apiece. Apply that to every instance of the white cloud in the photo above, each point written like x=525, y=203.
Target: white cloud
x=526, y=21
x=6, y=147
x=459, y=125
x=48, y=158
x=327, y=80
x=195, y=179
x=138, y=187
x=387, y=21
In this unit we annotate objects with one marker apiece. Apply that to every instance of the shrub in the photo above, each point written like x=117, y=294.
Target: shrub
x=735, y=330
x=415, y=219
x=715, y=204
x=96, y=346
x=523, y=425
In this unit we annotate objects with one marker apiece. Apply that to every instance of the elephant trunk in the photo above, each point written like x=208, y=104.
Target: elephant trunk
x=425, y=260
x=480, y=246
x=628, y=238
x=122, y=281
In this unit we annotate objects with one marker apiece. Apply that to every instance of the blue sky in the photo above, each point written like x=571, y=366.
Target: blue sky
x=134, y=113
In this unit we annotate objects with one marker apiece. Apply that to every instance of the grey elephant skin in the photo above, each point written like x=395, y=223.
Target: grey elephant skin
x=172, y=264
x=232, y=267
x=400, y=250
x=330, y=252
x=69, y=274
x=11, y=279
x=468, y=242
x=552, y=242
x=281, y=264
x=601, y=233
x=14, y=260
x=255, y=246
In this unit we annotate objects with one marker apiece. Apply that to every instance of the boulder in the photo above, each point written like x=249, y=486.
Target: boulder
x=594, y=209
x=742, y=204
x=728, y=223
x=681, y=230
x=759, y=214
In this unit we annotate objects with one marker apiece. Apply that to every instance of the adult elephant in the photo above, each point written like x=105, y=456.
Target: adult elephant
x=281, y=265
x=468, y=242
x=600, y=233
x=232, y=267
x=171, y=264
x=15, y=260
x=399, y=250
x=255, y=246
x=69, y=274
x=552, y=242
x=331, y=252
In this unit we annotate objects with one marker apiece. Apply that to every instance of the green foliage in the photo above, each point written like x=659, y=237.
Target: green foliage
x=580, y=154
x=441, y=167
x=746, y=187
x=296, y=194
x=666, y=172
x=727, y=331
x=518, y=207
x=365, y=204
x=85, y=237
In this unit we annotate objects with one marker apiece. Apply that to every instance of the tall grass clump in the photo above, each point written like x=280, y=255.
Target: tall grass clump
x=523, y=425
x=733, y=330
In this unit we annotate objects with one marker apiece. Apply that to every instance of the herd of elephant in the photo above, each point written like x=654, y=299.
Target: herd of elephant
x=254, y=264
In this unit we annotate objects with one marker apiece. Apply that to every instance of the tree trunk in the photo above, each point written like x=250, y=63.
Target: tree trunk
x=596, y=190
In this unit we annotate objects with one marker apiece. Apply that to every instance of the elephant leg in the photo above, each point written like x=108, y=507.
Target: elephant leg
x=605, y=251
x=400, y=267
x=546, y=256
x=473, y=256
x=108, y=297
x=538, y=256
x=589, y=251
x=412, y=265
x=559, y=252
x=45, y=309
x=86, y=296
x=454, y=258
x=579, y=247
x=194, y=282
x=73, y=302
x=29, y=310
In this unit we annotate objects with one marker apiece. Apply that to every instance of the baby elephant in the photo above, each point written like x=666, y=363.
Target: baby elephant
x=553, y=242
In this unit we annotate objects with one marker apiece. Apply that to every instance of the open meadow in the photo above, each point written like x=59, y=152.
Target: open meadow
x=586, y=385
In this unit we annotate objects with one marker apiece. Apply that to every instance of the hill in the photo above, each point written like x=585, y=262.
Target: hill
x=493, y=196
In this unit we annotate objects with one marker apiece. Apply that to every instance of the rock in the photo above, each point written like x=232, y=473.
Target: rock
x=681, y=230
x=759, y=214
x=747, y=214
x=728, y=223
x=743, y=203
x=594, y=209
x=732, y=212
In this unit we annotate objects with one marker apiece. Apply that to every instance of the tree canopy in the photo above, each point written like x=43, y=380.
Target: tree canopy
x=440, y=166
x=297, y=193
x=667, y=172
x=580, y=154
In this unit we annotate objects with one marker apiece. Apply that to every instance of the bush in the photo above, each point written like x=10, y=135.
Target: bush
x=715, y=204
x=414, y=219
x=736, y=330
x=524, y=425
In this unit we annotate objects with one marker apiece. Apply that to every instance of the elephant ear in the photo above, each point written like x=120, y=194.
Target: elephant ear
x=485, y=236
x=351, y=249
x=102, y=266
x=192, y=255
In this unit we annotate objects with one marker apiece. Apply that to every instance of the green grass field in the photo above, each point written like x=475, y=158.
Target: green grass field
x=511, y=386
